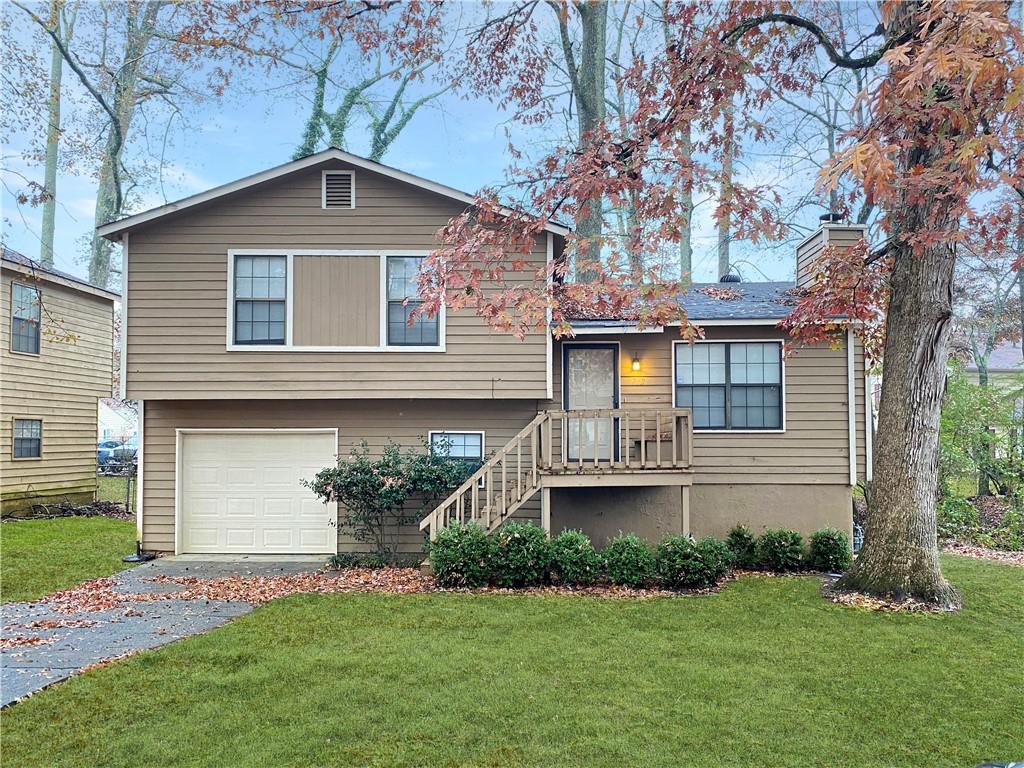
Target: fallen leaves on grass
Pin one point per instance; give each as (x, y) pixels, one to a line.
(983, 553)
(872, 603)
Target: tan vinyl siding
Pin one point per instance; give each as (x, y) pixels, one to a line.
(177, 297)
(377, 422)
(337, 301)
(61, 386)
(814, 449)
(806, 254)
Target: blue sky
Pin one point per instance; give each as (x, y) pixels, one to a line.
(457, 141)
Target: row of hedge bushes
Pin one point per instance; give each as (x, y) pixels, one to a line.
(521, 555)
(782, 550)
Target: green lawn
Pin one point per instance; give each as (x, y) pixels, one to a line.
(765, 673)
(41, 556)
(112, 488)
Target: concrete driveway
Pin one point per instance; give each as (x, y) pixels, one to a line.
(44, 643)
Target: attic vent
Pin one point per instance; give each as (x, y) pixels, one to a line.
(339, 189)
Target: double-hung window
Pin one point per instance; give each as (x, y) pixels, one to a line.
(28, 439)
(731, 385)
(403, 299)
(466, 447)
(26, 311)
(261, 295)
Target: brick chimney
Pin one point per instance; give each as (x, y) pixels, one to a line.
(832, 231)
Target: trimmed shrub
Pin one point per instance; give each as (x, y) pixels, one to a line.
(829, 550)
(682, 563)
(780, 550)
(743, 545)
(520, 553)
(629, 561)
(460, 555)
(573, 559)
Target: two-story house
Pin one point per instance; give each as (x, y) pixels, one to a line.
(266, 332)
(56, 362)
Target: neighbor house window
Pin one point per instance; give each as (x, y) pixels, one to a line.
(28, 438)
(261, 288)
(402, 285)
(467, 447)
(735, 385)
(26, 305)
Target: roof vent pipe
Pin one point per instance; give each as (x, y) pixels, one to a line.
(830, 218)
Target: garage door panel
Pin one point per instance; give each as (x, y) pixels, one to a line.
(242, 493)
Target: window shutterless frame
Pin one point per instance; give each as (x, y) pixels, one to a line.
(289, 345)
(26, 322)
(35, 439)
(462, 432)
(729, 386)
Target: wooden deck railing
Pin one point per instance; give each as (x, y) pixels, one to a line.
(566, 442)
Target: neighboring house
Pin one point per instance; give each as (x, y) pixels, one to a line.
(118, 421)
(57, 362)
(1005, 366)
(265, 332)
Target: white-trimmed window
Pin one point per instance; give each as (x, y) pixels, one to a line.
(28, 439)
(26, 316)
(467, 447)
(261, 297)
(731, 385)
(403, 299)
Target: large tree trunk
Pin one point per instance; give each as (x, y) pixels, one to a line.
(52, 151)
(900, 555)
(590, 104)
(686, 218)
(725, 194)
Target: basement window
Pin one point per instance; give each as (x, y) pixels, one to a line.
(339, 189)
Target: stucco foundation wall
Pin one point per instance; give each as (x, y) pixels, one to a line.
(714, 509)
(604, 513)
(651, 513)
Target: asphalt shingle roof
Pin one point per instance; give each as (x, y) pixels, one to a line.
(14, 257)
(720, 301)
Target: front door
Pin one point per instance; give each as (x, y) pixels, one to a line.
(590, 376)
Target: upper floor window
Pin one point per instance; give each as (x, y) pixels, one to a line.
(734, 385)
(261, 294)
(26, 306)
(402, 285)
(28, 438)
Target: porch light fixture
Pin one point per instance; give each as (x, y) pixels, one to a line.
(636, 362)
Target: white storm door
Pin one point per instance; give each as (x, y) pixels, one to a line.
(591, 374)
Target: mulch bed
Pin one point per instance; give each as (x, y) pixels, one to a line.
(983, 553)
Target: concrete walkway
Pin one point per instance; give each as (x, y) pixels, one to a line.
(96, 636)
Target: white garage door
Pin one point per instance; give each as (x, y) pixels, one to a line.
(241, 492)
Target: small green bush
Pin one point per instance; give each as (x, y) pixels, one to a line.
(780, 550)
(683, 564)
(1008, 535)
(573, 559)
(460, 556)
(520, 553)
(829, 551)
(743, 545)
(957, 518)
(629, 561)
(344, 560)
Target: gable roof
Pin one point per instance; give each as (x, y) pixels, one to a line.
(21, 263)
(717, 302)
(114, 229)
